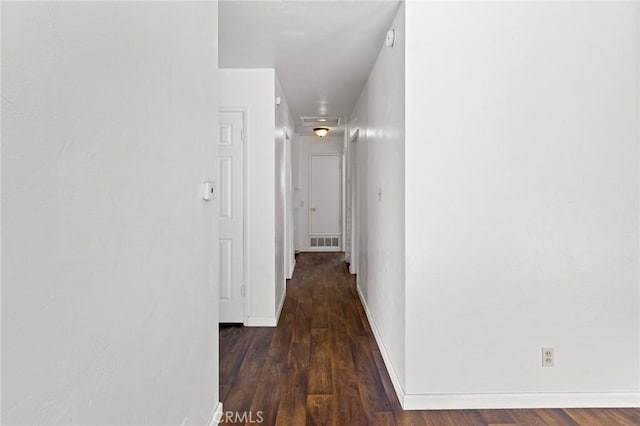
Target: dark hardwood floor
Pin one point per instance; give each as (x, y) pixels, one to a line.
(321, 366)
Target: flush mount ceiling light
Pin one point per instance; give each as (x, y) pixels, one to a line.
(321, 131)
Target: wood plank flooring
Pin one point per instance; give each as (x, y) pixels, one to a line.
(321, 366)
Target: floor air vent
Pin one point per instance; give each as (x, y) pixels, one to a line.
(325, 242)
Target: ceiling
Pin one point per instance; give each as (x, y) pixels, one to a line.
(322, 51)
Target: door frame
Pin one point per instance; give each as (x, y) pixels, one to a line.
(310, 197)
(354, 237)
(289, 212)
(245, 189)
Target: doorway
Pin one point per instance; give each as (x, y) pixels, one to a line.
(352, 201)
(231, 190)
(289, 243)
(325, 202)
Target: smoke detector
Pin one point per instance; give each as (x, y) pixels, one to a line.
(390, 40)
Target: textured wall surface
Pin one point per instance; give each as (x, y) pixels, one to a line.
(109, 304)
(522, 200)
(379, 177)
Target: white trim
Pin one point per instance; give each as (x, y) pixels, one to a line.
(343, 199)
(289, 209)
(262, 322)
(322, 249)
(638, 92)
(520, 400)
(284, 296)
(216, 416)
(267, 321)
(354, 240)
(292, 267)
(395, 380)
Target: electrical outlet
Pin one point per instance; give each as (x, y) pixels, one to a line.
(547, 357)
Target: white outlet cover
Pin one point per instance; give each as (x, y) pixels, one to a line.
(548, 357)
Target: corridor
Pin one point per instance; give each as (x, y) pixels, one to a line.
(321, 365)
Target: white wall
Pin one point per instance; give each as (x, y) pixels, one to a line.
(254, 89)
(377, 160)
(284, 251)
(308, 145)
(522, 203)
(109, 303)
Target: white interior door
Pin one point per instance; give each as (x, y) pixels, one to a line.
(325, 211)
(231, 215)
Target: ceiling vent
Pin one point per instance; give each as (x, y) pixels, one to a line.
(320, 121)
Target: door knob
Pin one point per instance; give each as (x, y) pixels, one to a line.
(313, 209)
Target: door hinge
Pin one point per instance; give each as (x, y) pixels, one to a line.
(242, 135)
(243, 291)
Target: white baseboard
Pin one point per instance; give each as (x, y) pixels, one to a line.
(519, 400)
(262, 322)
(267, 321)
(217, 415)
(395, 380)
(284, 296)
(292, 267)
